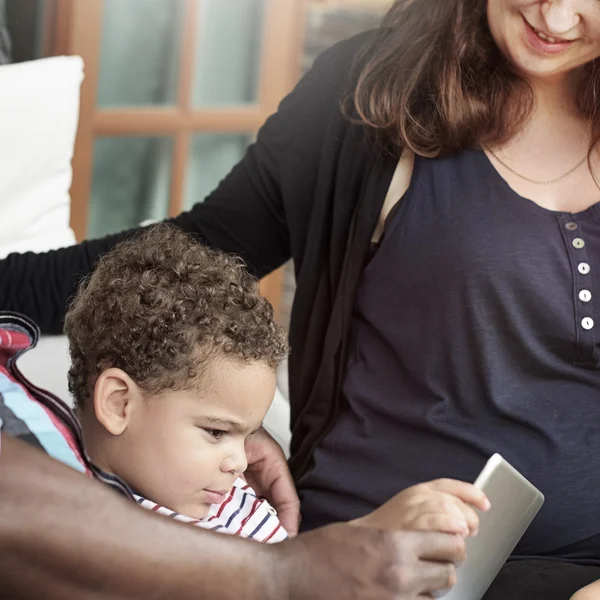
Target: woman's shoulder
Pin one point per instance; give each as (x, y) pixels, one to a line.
(316, 104)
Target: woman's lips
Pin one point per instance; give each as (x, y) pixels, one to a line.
(551, 46)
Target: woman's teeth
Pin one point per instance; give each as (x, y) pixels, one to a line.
(547, 38)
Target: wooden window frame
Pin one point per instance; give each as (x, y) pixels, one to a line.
(75, 27)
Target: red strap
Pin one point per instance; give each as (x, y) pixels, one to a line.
(12, 342)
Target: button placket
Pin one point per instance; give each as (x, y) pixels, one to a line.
(582, 274)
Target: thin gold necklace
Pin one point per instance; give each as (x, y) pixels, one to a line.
(550, 181)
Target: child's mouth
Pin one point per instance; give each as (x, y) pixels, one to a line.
(216, 497)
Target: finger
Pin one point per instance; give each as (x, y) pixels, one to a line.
(268, 470)
(289, 517)
(445, 504)
(466, 492)
(433, 577)
(285, 500)
(439, 547)
(471, 517)
(441, 523)
(457, 509)
(460, 510)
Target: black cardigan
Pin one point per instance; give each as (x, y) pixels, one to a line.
(311, 188)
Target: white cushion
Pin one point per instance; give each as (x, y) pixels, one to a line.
(47, 364)
(39, 111)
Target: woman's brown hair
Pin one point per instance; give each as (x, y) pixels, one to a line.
(436, 82)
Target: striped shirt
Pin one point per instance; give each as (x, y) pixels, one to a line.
(47, 423)
(242, 513)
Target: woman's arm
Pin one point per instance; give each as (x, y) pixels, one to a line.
(246, 215)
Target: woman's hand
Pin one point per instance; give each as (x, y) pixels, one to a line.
(444, 505)
(270, 477)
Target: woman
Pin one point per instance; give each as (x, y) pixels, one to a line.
(434, 183)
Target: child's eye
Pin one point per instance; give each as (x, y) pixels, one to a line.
(216, 433)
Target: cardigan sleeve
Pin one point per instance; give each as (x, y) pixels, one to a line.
(245, 215)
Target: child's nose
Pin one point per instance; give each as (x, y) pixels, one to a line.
(236, 462)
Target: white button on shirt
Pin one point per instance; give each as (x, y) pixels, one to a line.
(583, 268)
(587, 323)
(585, 295)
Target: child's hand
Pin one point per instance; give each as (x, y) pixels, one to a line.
(443, 505)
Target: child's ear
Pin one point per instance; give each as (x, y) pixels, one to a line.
(115, 397)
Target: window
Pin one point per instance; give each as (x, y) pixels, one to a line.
(174, 92)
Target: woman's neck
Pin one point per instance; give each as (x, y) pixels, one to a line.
(557, 98)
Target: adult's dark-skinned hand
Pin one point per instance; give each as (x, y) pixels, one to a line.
(346, 562)
(66, 537)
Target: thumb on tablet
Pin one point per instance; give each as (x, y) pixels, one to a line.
(466, 492)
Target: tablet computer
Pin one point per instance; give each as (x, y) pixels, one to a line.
(515, 502)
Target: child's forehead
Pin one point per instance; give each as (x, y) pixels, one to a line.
(241, 405)
(236, 378)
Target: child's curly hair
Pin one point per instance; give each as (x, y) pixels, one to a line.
(161, 306)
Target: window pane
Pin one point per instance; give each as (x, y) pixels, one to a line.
(212, 156)
(131, 183)
(228, 52)
(141, 41)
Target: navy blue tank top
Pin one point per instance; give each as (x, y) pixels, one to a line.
(476, 330)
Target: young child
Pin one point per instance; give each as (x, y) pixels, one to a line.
(173, 367)
(173, 355)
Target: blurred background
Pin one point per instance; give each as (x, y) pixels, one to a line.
(174, 92)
